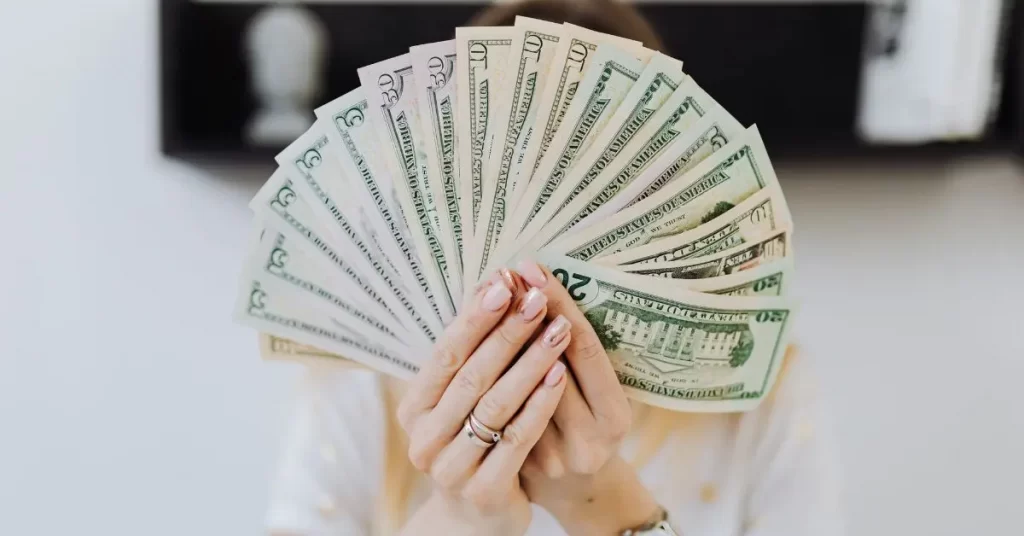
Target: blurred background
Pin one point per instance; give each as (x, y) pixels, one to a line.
(131, 404)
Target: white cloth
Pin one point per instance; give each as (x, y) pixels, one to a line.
(770, 472)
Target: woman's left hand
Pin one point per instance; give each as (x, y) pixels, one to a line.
(574, 471)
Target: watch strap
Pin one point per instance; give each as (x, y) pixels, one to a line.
(658, 526)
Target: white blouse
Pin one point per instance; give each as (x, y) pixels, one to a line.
(769, 472)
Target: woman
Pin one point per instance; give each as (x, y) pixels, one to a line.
(575, 457)
(370, 456)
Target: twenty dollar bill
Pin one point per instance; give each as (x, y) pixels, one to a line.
(679, 349)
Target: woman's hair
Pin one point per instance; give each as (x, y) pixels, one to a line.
(605, 16)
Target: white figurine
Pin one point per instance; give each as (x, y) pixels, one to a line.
(286, 46)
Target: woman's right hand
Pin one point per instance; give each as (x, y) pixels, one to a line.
(477, 488)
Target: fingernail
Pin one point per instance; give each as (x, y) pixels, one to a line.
(486, 283)
(532, 273)
(511, 281)
(555, 374)
(532, 305)
(557, 331)
(496, 297)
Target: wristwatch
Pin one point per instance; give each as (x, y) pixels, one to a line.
(658, 527)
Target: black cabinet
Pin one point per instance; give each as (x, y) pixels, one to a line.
(794, 69)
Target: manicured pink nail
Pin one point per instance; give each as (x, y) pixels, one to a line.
(557, 331)
(532, 273)
(532, 305)
(510, 279)
(555, 374)
(486, 283)
(496, 297)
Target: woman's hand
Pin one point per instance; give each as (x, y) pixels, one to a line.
(477, 488)
(575, 471)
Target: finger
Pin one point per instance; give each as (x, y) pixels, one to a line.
(506, 458)
(545, 458)
(456, 462)
(511, 279)
(580, 432)
(459, 341)
(481, 370)
(572, 412)
(501, 402)
(585, 354)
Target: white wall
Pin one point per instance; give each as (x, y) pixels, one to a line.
(130, 404)
(913, 296)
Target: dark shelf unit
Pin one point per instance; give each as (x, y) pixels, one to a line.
(794, 69)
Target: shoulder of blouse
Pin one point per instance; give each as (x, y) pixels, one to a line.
(331, 464)
(794, 480)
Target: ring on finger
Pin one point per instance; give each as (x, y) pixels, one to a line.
(479, 439)
(483, 429)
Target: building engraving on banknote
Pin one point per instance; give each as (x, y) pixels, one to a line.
(672, 353)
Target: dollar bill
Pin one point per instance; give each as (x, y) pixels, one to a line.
(714, 186)
(277, 206)
(684, 107)
(573, 57)
(279, 265)
(657, 82)
(533, 47)
(770, 247)
(433, 67)
(266, 311)
(388, 86)
(712, 132)
(771, 279)
(274, 348)
(679, 349)
(354, 144)
(612, 73)
(480, 56)
(756, 216)
(319, 181)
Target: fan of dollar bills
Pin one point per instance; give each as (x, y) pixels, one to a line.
(653, 206)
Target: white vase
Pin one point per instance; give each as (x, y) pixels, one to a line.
(286, 47)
